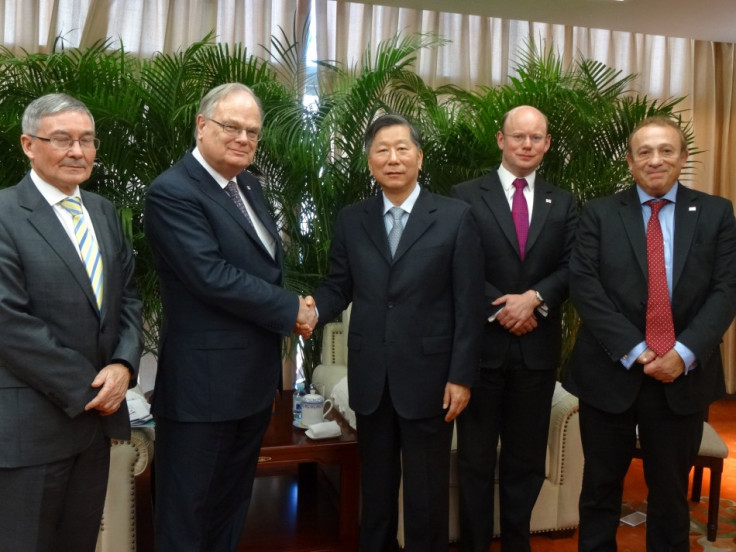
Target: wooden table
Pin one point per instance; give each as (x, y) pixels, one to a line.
(285, 444)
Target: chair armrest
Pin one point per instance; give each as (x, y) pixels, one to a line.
(565, 447)
(333, 344)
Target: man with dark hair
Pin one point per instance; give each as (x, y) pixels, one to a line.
(653, 276)
(527, 228)
(407, 260)
(70, 343)
(219, 258)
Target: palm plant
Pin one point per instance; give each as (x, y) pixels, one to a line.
(311, 157)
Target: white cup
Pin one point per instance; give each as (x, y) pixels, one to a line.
(313, 409)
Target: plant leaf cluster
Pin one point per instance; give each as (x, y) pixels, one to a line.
(311, 158)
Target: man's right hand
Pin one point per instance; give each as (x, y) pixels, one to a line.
(307, 318)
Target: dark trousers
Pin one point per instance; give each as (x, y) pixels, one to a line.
(55, 507)
(512, 403)
(204, 480)
(388, 442)
(669, 444)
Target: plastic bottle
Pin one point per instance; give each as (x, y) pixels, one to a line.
(297, 399)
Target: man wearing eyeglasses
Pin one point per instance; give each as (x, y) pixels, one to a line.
(219, 258)
(70, 342)
(527, 228)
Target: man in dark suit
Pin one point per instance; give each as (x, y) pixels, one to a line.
(219, 259)
(414, 334)
(71, 337)
(527, 228)
(655, 295)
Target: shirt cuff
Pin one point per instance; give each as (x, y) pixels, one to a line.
(687, 356)
(629, 359)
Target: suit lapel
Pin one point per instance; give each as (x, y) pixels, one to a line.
(540, 211)
(104, 241)
(495, 198)
(687, 213)
(375, 228)
(631, 217)
(43, 218)
(212, 189)
(254, 194)
(421, 218)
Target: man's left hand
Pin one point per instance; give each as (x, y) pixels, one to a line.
(112, 382)
(455, 400)
(666, 368)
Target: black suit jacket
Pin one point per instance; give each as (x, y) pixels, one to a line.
(224, 308)
(416, 319)
(544, 268)
(53, 339)
(609, 288)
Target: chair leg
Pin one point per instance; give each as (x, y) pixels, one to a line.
(697, 483)
(716, 469)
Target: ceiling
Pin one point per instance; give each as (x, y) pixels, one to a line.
(711, 20)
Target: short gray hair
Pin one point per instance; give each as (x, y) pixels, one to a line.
(51, 104)
(209, 100)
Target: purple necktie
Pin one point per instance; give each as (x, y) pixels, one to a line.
(520, 214)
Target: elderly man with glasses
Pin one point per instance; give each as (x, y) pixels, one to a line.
(219, 257)
(71, 336)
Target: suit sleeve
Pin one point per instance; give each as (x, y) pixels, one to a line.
(335, 292)
(467, 284)
(714, 314)
(181, 233)
(611, 328)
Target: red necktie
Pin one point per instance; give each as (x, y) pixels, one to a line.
(520, 214)
(660, 330)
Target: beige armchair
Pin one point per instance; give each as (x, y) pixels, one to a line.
(556, 510)
(127, 460)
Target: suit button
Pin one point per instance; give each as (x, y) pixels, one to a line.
(390, 305)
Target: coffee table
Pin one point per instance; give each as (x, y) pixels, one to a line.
(285, 444)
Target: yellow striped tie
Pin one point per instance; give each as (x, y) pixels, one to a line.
(87, 246)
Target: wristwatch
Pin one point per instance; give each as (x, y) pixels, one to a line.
(542, 308)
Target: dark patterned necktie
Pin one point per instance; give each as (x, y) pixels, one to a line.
(232, 190)
(660, 330)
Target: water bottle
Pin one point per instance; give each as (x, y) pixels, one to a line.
(297, 399)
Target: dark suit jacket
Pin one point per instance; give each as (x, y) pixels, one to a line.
(53, 340)
(416, 320)
(224, 307)
(609, 288)
(544, 268)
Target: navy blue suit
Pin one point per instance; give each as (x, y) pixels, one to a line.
(220, 359)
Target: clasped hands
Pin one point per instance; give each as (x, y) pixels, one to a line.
(666, 368)
(307, 318)
(517, 313)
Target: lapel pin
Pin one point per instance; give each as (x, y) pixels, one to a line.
(248, 187)
(693, 208)
(548, 200)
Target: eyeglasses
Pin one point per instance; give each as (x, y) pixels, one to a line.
(536, 139)
(233, 130)
(62, 142)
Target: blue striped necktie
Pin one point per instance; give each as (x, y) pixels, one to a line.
(87, 246)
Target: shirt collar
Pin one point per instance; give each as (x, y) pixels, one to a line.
(221, 180)
(507, 179)
(671, 195)
(51, 194)
(408, 203)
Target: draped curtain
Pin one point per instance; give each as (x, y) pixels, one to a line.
(483, 51)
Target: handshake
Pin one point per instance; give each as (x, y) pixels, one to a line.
(307, 318)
